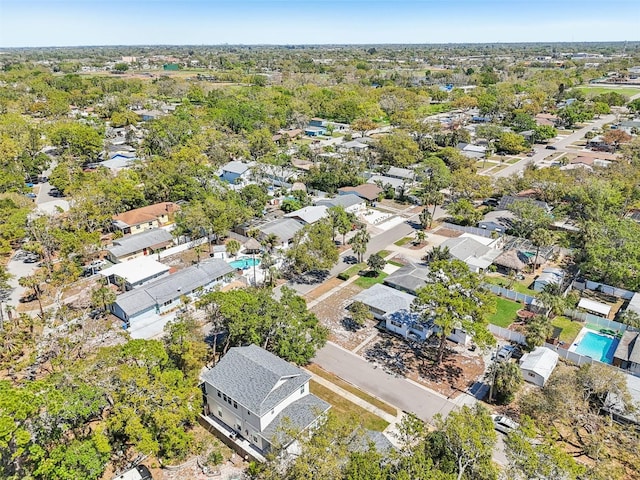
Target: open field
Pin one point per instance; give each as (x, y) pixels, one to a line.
(598, 90)
(385, 407)
(344, 408)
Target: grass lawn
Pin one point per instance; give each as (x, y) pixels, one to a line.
(383, 253)
(518, 286)
(321, 372)
(505, 312)
(570, 328)
(366, 282)
(434, 108)
(403, 241)
(344, 408)
(397, 264)
(593, 91)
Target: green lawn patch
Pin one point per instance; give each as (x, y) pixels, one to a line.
(403, 241)
(505, 312)
(353, 270)
(434, 108)
(517, 286)
(593, 90)
(384, 253)
(397, 264)
(346, 409)
(321, 372)
(366, 281)
(570, 328)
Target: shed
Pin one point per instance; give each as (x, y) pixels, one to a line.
(538, 365)
(595, 307)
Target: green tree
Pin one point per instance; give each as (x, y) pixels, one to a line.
(511, 143)
(463, 212)
(312, 249)
(454, 298)
(538, 329)
(185, 345)
(541, 238)
(233, 247)
(376, 263)
(506, 380)
(340, 221)
(102, 296)
(360, 313)
(76, 139)
(398, 149)
(469, 437)
(529, 217)
(359, 243)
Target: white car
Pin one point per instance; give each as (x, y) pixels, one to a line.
(505, 353)
(504, 424)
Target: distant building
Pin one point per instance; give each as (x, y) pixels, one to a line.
(351, 203)
(141, 244)
(368, 191)
(235, 172)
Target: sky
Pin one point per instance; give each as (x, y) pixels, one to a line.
(26, 23)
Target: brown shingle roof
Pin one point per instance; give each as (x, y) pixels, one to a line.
(146, 214)
(368, 191)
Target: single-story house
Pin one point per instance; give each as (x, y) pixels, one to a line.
(497, 221)
(321, 122)
(351, 203)
(592, 306)
(409, 324)
(354, 145)
(140, 244)
(472, 151)
(634, 304)
(309, 215)
(145, 218)
(368, 191)
(507, 200)
(148, 115)
(312, 131)
(538, 365)
(135, 273)
(408, 278)
(627, 354)
(235, 172)
(401, 173)
(546, 119)
(165, 294)
(259, 396)
(475, 254)
(283, 228)
(549, 276)
(382, 180)
(383, 300)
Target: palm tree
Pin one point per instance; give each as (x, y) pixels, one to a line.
(553, 300)
(34, 282)
(438, 253)
(233, 247)
(359, 243)
(421, 236)
(541, 237)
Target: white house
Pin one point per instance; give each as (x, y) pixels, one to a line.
(135, 273)
(256, 394)
(383, 300)
(538, 365)
(351, 203)
(409, 325)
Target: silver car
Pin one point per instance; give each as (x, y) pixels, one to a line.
(504, 424)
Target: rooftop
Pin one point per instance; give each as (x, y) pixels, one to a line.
(385, 299)
(129, 244)
(367, 191)
(344, 201)
(136, 270)
(309, 214)
(146, 214)
(629, 347)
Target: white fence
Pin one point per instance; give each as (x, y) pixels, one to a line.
(606, 289)
(573, 357)
(474, 230)
(182, 248)
(510, 294)
(507, 334)
(596, 320)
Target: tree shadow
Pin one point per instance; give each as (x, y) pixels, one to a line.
(349, 325)
(310, 278)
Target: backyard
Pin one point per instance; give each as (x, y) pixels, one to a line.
(520, 286)
(505, 312)
(570, 328)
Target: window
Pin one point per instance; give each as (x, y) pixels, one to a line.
(395, 323)
(302, 389)
(248, 413)
(224, 397)
(219, 412)
(219, 393)
(531, 374)
(235, 405)
(255, 439)
(168, 302)
(151, 224)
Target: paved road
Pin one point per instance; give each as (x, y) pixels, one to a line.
(561, 145)
(17, 268)
(395, 390)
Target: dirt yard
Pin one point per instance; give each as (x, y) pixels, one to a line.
(458, 371)
(322, 289)
(333, 314)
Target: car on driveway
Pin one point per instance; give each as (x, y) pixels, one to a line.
(551, 147)
(504, 424)
(505, 353)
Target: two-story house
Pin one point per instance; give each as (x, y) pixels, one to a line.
(258, 395)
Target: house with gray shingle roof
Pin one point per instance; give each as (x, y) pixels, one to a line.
(139, 244)
(261, 397)
(383, 300)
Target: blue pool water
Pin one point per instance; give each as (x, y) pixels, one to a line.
(245, 263)
(598, 347)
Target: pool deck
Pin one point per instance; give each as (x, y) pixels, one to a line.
(579, 338)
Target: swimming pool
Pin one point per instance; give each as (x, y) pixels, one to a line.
(599, 347)
(243, 263)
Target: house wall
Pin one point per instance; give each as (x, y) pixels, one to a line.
(230, 176)
(240, 419)
(144, 226)
(533, 377)
(460, 336)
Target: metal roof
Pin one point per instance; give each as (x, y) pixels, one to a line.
(136, 270)
(541, 361)
(139, 241)
(309, 214)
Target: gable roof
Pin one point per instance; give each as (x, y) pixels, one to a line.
(507, 200)
(628, 349)
(385, 180)
(156, 237)
(409, 278)
(146, 214)
(471, 251)
(401, 173)
(385, 299)
(255, 378)
(236, 167)
(344, 201)
(541, 361)
(309, 214)
(368, 191)
(172, 287)
(299, 416)
(283, 228)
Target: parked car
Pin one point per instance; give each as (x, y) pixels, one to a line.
(31, 195)
(31, 258)
(504, 424)
(550, 147)
(505, 353)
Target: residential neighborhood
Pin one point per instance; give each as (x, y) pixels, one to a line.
(320, 262)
